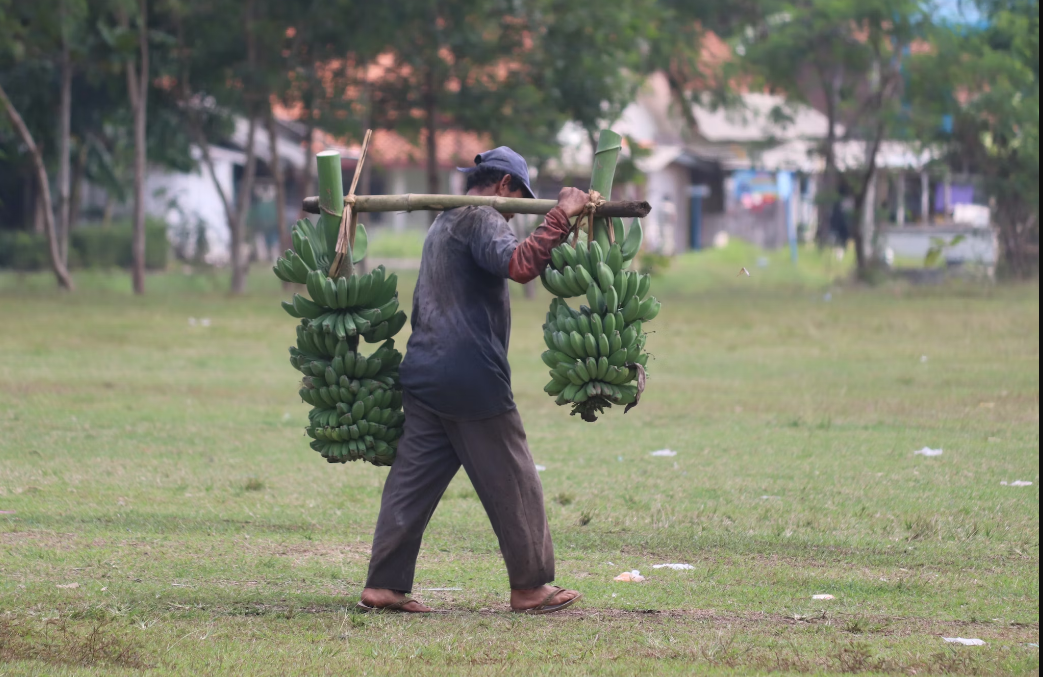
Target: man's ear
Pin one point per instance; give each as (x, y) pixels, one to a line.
(504, 187)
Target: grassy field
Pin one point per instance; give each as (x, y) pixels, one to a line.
(162, 511)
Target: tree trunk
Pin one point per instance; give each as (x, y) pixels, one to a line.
(64, 133)
(57, 264)
(285, 241)
(137, 87)
(830, 185)
(240, 262)
(431, 124)
(76, 194)
(872, 148)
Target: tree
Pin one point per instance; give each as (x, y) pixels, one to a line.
(845, 57)
(45, 32)
(987, 78)
(447, 65)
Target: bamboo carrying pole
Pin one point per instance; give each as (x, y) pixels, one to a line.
(417, 202)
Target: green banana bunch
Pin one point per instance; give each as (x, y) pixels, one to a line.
(356, 400)
(314, 252)
(595, 353)
(574, 268)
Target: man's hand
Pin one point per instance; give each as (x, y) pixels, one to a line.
(572, 201)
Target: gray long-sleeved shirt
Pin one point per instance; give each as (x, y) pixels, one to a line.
(456, 358)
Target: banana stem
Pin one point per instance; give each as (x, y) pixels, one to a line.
(331, 202)
(604, 171)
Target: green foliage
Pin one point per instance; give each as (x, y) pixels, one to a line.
(938, 247)
(89, 247)
(987, 79)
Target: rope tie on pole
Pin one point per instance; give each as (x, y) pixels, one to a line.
(349, 220)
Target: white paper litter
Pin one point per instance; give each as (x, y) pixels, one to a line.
(675, 567)
(663, 452)
(964, 641)
(823, 597)
(1033, 645)
(630, 577)
(923, 358)
(441, 589)
(1016, 483)
(68, 586)
(927, 451)
(540, 468)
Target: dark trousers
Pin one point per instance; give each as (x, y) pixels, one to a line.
(496, 457)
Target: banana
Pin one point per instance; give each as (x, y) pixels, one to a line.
(604, 349)
(609, 323)
(554, 387)
(643, 285)
(618, 358)
(365, 290)
(596, 327)
(615, 342)
(632, 244)
(580, 369)
(577, 344)
(288, 307)
(590, 346)
(602, 367)
(582, 257)
(631, 309)
(632, 281)
(571, 281)
(597, 255)
(601, 235)
(582, 324)
(342, 292)
(315, 290)
(619, 283)
(652, 311)
(617, 229)
(353, 291)
(361, 366)
(329, 290)
(278, 272)
(612, 300)
(646, 306)
(300, 268)
(388, 291)
(568, 253)
(387, 310)
(549, 359)
(570, 392)
(628, 337)
(605, 276)
(548, 339)
(306, 308)
(585, 279)
(564, 344)
(362, 325)
(592, 367)
(557, 259)
(614, 258)
(592, 298)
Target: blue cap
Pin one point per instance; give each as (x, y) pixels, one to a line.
(506, 160)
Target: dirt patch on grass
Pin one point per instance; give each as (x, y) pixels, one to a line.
(45, 539)
(57, 642)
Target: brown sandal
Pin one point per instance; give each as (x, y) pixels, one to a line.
(542, 607)
(398, 606)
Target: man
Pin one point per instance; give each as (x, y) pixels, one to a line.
(457, 394)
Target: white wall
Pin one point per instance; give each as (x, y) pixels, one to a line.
(185, 199)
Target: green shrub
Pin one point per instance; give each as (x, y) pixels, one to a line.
(89, 247)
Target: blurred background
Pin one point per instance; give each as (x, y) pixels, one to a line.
(893, 137)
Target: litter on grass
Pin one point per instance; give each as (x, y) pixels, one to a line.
(663, 452)
(540, 468)
(927, 451)
(964, 641)
(630, 577)
(823, 597)
(7, 512)
(675, 567)
(1016, 483)
(68, 586)
(441, 589)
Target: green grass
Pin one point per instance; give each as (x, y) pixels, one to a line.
(160, 466)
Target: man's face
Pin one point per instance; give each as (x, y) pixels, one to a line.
(503, 189)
